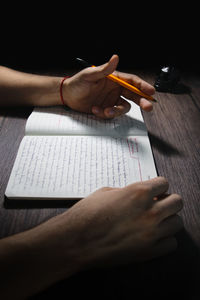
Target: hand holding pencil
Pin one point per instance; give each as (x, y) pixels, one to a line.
(98, 90)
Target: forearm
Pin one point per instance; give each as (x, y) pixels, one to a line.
(35, 259)
(18, 88)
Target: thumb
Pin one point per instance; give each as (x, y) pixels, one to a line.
(102, 71)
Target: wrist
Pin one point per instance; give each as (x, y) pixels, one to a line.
(62, 90)
(47, 91)
(58, 248)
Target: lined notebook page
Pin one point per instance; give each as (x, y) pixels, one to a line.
(59, 121)
(75, 166)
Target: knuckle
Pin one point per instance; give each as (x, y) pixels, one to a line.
(137, 188)
(163, 179)
(142, 191)
(154, 213)
(143, 188)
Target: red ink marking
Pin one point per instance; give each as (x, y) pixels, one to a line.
(131, 147)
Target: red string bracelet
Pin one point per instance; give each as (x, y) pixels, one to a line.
(61, 86)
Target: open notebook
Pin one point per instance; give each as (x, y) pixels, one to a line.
(67, 155)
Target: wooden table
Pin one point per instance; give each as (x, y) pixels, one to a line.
(174, 131)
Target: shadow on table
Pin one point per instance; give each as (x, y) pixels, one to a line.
(19, 204)
(163, 146)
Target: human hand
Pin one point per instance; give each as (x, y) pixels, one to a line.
(90, 91)
(122, 225)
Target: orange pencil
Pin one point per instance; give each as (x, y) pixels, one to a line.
(120, 82)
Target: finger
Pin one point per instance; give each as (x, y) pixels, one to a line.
(100, 72)
(112, 112)
(137, 82)
(121, 108)
(146, 191)
(162, 247)
(141, 85)
(168, 206)
(98, 112)
(158, 186)
(109, 112)
(145, 105)
(112, 97)
(104, 113)
(170, 226)
(142, 102)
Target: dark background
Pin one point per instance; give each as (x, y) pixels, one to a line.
(43, 38)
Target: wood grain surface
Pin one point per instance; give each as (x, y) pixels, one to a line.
(174, 132)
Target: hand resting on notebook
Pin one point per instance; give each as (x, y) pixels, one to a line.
(88, 91)
(112, 226)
